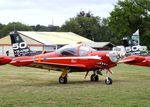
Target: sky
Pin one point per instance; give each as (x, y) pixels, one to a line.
(48, 12)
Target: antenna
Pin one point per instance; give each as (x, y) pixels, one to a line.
(52, 25)
(52, 21)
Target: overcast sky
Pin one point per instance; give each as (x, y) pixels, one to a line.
(44, 12)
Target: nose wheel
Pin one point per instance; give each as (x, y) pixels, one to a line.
(108, 81)
(94, 77)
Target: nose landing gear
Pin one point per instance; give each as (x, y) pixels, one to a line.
(108, 81)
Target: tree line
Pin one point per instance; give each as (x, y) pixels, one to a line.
(5, 29)
(127, 17)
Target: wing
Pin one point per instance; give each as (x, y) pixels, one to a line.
(132, 59)
(29, 62)
(21, 62)
(76, 62)
(4, 60)
(86, 62)
(126, 60)
(61, 64)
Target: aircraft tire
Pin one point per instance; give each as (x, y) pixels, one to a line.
(94, 77)
(108, 81)
(63, 80)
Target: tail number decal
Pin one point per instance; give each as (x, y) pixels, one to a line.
(21, 45)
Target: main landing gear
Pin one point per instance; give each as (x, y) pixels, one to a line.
(63, 77)
(94, 77)
(63, 80)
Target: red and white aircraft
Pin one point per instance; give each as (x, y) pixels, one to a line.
(70, 58)
(4, 60)
(137, 60)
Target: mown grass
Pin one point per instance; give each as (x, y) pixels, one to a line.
(31, 87)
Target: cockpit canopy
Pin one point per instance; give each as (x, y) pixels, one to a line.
(75, 50)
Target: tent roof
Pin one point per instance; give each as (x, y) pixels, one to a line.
(5, 40)
(50, 38)
(98, 44)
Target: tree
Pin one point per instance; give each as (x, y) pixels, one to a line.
(89, 26)
(1, 30)
(14, 26)
(45, 28)
(6, 29)
(128, 16)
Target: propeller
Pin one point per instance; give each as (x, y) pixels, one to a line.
(115, 56)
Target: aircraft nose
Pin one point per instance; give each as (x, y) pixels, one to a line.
(115, 56)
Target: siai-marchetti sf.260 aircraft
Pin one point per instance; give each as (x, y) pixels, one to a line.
(70, 58)
(136, 60)
(4, 60)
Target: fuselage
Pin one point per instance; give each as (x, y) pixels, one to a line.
(94, 60)
(74, 57)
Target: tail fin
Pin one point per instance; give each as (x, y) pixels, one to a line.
(20, 48)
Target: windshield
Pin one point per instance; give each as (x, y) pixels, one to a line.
(75, 50)
(84, 50)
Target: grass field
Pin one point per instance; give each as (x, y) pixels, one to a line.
(30, 87)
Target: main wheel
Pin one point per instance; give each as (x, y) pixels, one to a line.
(63, 80)
(108, 81)
(94, 77)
